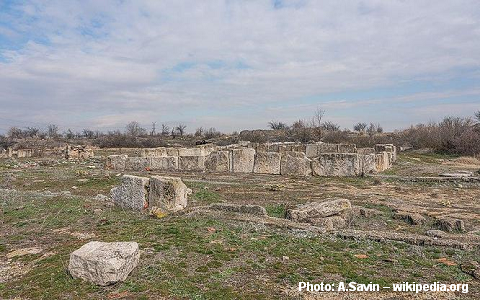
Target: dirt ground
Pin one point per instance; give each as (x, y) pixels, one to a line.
(50, 208)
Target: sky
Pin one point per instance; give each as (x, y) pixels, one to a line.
(235, 65)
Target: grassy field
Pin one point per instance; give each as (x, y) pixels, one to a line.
(200, 256)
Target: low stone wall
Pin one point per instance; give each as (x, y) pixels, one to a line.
(319, 159)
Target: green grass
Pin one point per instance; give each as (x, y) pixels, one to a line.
(276, 210)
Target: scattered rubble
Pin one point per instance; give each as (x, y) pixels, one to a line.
(410, 217)
(450, 224)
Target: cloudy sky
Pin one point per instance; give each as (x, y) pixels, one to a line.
(236, 64)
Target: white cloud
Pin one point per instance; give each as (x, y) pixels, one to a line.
(109, 62)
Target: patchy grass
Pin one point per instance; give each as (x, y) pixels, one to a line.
(276, 210)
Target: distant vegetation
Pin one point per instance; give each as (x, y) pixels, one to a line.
(452, 135)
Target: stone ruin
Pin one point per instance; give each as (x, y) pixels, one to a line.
(157, 194)
(72, 152)
(319, 159)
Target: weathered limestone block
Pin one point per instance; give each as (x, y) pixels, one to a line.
(116, 162)
(169, 194)
(136, 163)
(218, 161)
(267, 163)
(367, 162)
(336, 164)
(314, 150)
(132, 193)
(311, 150)
(190, 152)
(168, 163)
(104, 263)
(330, 223)
(315, 210)
(295, 163)
(449, 224)
(390, 148)
(366, 151)
(242, 209)
(346, 148)
(172, 151)
(207, 148)
(243, 160)
(382, 161)
(191, 163)
(154, 152)
(410, 217)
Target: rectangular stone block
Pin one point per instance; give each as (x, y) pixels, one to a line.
(243, 160)
(311, 150)
(368, 164)
(191, 163)
(172, 151)
(267, 163)
(136, 163)
(295, 163)
(132, 193)
(347, 148)
(218, 161)
(382, 162)
(366, 151)
(154, 152)
(169, 194)
(336, 164)
(190, 151)
(116, 162)
(167, 163)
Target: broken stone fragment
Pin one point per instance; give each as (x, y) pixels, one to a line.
(314, 210)
(104, 263)
(132, 193)
(410, 217)
(471, 268)
(330, 223)
(450, 224)
(168, 194)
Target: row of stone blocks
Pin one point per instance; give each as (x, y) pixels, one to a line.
(247, 160)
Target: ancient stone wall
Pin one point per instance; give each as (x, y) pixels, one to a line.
(320, 159)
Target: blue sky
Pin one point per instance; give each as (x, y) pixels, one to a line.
(236, 65)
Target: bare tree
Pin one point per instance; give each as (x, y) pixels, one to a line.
(317, 118)
(32, 132)
(15, 133)
(330, 126)
(165, 129)
(52, 131)
(87, 133)
(277, 125)
(199, 132)
(180, 129)
(360, 127)
(477, 115)
(212, 133)
(134, 129)
(69, 134)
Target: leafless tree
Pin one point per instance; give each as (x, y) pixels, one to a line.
(52, 131)
(360, 127)
(199, 132)
(134, 129)
(180, 129)
(317, 118)
(87, 133)
(165, 129)
(330, 126)
(477, 115)
(15, 133)
(277, 125)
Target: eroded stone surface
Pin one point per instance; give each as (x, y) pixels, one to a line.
(168, 193)
(267, 163)
(295, 163)
(315, 210)
(132, 193)
(243, 160)
(218, 161)
(104, 263)
(336, 164)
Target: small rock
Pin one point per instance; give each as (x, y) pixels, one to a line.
(104, 263)
(436, 233)
(410, 217)
(315, 210)
(285, 258)
(471, 268)
(24, 251)
(82, 180)
(450, 224)
(101, 197)
(74, 187)
(97, 211)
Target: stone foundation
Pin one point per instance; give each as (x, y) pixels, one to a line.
(320, 159)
